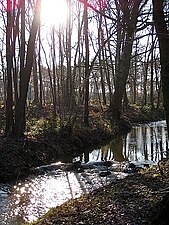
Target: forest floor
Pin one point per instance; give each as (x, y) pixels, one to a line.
(139, 199)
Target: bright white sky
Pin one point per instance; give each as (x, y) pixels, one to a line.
(53, 12)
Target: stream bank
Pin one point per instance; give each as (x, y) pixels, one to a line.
(19, 155)
(51, 185)
(139, 199)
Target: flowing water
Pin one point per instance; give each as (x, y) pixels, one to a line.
(26, 200)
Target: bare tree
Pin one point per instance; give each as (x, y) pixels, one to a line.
(86, 84)
(9, 99)
(25, 73)
(162, 31)
(130, 12)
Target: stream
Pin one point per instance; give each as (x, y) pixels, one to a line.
(25, 201)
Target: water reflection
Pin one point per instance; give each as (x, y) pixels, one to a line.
(28, 200)
(116, 147)
(144, 142)
(147, 142)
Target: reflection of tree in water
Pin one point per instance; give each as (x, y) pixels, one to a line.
(105, 151)
(116, 147)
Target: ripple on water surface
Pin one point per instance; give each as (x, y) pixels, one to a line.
(32, 198)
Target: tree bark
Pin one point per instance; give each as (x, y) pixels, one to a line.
(120, 83)
(162, 34)
(86, 83)
(20, 121)
(39, 68)
(9, 99)
(35, 81)
(54, 74)
(129, 26)
(69, 85)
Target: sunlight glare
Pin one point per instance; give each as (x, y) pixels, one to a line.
(53, 12)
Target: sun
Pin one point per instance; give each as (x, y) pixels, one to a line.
(53, 12)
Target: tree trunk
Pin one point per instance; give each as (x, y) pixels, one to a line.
(120, 83)
(69, 87)
(162, 33)
(54, 74)
(145, 72)
(152, 70)
(130, 14)
(101, 58)
(9, 99)
(39, 68)
(20, 121)
(35, 81)
(86, 83)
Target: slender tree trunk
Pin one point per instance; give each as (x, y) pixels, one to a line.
(101, 60)
(86, 84)
(109, 60)
(35, 81)
(152, 70)
(61, 94)
(15, 27)
(158, 83)
(54, 74)
(135, 75)
(107, 73)
(39, 68)
(68, 56)
(9, 99)
(3, 77)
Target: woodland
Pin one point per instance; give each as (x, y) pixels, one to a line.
(65, 87)
(108, 53)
